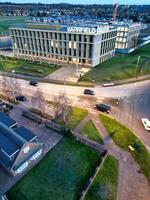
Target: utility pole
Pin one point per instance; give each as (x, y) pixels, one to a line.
(138, 68)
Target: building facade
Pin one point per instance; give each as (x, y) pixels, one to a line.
(75, 45)
(127, 37)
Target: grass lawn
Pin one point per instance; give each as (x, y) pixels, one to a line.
(28, 67)
(8, 21)
(105, 184)
(120, 67)
(60, 175)
(76, 116)
(123, 137)
(91, 132)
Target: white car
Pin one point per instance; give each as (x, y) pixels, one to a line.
(146, 123)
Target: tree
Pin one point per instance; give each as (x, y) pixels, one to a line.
(61, 107)
(38, 101)
(11, 87)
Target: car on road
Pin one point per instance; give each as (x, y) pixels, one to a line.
(21, 98)
(103, 108)
(89, 92)
(146, 123)
(33, 83)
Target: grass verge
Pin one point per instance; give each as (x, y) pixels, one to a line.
(91, 132)
(26, 67)
(123, 137)
(60, 175)
(120, 67)
(105, 184)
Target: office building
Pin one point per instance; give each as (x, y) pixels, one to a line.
(58, 44)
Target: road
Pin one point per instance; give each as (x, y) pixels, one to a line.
(133, 98)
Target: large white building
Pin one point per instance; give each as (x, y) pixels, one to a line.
(63, 44)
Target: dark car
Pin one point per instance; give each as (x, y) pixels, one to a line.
(33, 83)
(21, 98)
(103, 108)
(9, 106)
(90, 92)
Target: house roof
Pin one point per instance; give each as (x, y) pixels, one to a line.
(12, 141)
(25, 133)
(9, 122)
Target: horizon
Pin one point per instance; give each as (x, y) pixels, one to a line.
(78, 2)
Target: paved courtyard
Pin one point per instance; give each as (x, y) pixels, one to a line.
(68, 73)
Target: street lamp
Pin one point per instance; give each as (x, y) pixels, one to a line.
(77, 66)
(137, 65)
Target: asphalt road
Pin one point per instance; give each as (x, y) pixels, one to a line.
(133, 98)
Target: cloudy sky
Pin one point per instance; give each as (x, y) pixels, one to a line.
(82, 1)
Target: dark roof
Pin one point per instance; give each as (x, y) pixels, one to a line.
(25, 133)
(10, 141)
(6, 120)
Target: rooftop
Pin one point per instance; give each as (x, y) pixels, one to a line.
(9, 122)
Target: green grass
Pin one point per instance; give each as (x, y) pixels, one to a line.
(105, 184)
(91, 132)
(8, 21)
(120, 67)
(60, 175)
(27, 67)
(76, 116)
(123, 137)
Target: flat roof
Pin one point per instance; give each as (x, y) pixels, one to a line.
(9, 122)
(70, 29)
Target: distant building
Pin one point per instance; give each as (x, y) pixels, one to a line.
(19, 147)
(83, 45)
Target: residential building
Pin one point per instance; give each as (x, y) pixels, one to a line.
(19, 147)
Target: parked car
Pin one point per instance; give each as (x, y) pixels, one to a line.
(21, 98)
(33, 83)
(103, 108)
(88, 91)
(146, 123)
(9, 106)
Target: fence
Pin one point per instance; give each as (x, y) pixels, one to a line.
(91, 180)
(58, 128)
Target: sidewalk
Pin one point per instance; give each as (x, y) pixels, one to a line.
(132, 185)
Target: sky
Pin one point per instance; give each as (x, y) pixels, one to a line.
(81, 1)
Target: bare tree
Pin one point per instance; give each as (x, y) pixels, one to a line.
(38, 101)
(10, 87)
(62, 107)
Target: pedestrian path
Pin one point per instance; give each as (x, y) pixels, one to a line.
(132, 184)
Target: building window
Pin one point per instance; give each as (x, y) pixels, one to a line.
(22, 167)
(36, 155)
(26, 149)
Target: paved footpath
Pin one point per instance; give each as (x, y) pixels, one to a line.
(132, 183)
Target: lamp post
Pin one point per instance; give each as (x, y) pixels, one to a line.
(77, 66)
(13, 89)
(137, 65)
